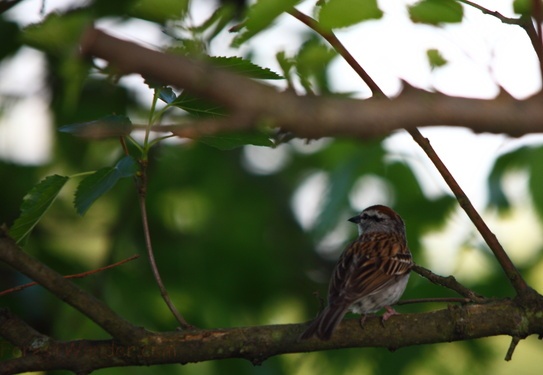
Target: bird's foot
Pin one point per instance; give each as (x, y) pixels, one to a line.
(389, 312)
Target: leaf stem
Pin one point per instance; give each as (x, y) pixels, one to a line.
(142, 190)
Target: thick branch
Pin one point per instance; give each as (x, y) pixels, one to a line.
(315, 117)
(256, 344)
(68, 292)
(20, 334)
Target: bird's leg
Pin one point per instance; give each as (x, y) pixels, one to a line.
(362, 320)
(389, 312)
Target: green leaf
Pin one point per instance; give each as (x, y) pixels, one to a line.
(523, 7)
(167, 95)
(312, 63)
(435, 58)
(337, 197)
(506, 162)
(160, 10)
(10, 38)
(342, 13)
(220, 19)
(244, 67)
(35, 204)
(234, 140)
(285, 63)
(204, 108)
(536, 179)
(94, 186)
(198, 107)
(106, 127)
(435, 12)
(58, 34)
(261, 15)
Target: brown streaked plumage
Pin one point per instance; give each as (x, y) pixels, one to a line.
(371, 274)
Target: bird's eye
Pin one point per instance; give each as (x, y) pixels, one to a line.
(364, 216)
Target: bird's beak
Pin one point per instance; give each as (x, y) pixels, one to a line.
(355, 219)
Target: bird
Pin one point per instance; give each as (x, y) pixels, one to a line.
(371, 273)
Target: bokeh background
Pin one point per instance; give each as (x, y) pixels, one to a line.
(248, 236)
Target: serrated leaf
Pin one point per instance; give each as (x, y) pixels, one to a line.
(435, 12)
(198, 107)
(435, 58)
(244, 67)
(234, 140)
(342, 13)
(261, 15)
(58, 34)
(106, 127)
(97, 184)
(35, 205)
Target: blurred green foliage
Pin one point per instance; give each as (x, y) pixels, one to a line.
(227, 239)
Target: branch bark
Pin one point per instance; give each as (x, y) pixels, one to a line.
(68, 292)
(504, 317)
(313, 117)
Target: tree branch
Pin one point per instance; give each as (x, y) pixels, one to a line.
(20, 334)
(450, 283)
(314, 117)
(256, 344)
(68, 292)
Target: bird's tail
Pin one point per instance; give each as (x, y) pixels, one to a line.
(325, 323)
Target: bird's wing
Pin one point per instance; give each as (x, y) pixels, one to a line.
(369, 264)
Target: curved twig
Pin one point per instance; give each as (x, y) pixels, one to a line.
(75, 276)
(68, 292)
(450, 283)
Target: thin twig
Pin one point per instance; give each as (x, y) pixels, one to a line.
(75, 276)
(534, 33)
(69, 292)
(514, 342)
(507, 265)
(433, 300)
(512, 273)
(450, 283)
(340, 48)
(510, 21)
(142, 190)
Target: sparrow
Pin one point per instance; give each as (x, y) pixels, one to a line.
(371, 273)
